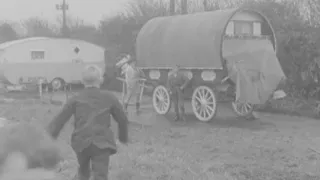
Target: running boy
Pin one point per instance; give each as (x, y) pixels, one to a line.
(92, 140)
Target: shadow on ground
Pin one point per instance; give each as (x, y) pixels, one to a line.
(221, 122)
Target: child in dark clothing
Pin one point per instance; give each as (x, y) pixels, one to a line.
(92, 140)
(176, 83)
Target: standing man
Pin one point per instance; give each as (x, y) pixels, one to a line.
(177, 82)
(132, 77)
(92, 139)
(121, 65)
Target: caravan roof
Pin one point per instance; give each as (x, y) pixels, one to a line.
(11, 43)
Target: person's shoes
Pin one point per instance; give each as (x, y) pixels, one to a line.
(251, 117)
(75, 177)
(125, 108)
(125, 111)
(183, 118)
(177, 118)
(138, 108)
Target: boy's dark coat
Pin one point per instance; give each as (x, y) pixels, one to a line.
(92, 109)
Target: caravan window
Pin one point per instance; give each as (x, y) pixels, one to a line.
(243, 27)
(37, 55)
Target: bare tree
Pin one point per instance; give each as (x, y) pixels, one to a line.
(39, 27)
(7, 33)
(79, 30)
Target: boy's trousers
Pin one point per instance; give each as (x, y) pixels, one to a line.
(133, 91)
(99, 159)
(178, 101)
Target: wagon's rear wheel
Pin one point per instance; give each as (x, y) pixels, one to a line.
(204, 103)
(242, 109)
(161, 100)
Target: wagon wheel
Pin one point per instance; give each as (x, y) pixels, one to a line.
(161, 100)
(242, 109)
(204, 103)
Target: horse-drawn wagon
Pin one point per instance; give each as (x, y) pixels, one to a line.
(222, 51)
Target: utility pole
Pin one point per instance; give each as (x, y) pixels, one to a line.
(205, 5)
(63, 7)
(184, 6)
(172, 7)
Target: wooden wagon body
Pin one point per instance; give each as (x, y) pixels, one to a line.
(196, 42)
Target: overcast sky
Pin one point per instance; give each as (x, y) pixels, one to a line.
(90, 11)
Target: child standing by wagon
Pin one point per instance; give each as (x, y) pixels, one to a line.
(92, 140)
(177, 82)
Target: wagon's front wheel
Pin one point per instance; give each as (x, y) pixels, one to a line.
(242, 109)
(204, 103)
(161, 100)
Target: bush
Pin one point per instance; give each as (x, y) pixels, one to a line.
(32, 141)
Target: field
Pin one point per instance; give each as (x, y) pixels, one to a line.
(274, 147)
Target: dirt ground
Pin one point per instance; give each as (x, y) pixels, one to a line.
(274, 147)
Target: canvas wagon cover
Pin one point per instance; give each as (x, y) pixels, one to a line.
(192, 40)
(255, 68)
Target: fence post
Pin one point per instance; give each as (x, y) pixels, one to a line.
(142, 86)
(66, 91)
(40, 82)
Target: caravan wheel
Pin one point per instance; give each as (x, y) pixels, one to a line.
(161, 100)
(204, 103)
(57, 83)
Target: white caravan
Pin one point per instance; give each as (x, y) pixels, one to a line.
(56, 61)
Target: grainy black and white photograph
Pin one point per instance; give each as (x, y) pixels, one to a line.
(159, 89)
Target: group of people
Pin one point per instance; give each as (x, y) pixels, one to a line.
(92, 140)
(132, 78)
(176, 84)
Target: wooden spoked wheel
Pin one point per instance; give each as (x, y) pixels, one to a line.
(204, 103)
(242, 109)
(161, 100)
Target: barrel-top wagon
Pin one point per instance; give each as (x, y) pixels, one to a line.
(231, 50)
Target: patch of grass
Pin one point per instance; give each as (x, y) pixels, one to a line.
(201, 152)
(292, 106)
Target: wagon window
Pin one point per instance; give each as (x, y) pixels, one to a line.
(37, 55)
(243, 27)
